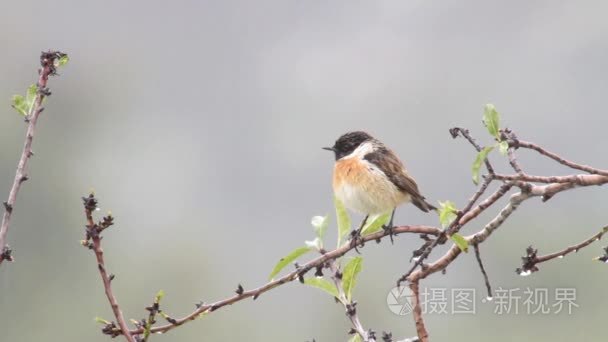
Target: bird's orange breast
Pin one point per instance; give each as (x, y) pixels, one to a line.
(363, 187)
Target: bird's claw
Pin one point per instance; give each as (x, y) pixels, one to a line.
(389, 228)
(356, 240)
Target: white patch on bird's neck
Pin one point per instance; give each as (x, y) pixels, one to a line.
(361, 151)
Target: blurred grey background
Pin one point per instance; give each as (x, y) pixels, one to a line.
(199, 125)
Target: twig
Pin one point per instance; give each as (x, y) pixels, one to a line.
(570, 164)
(47, 61)
(294, 275)
(531, 259)
(152, 311)
(581, 179)
(465, 133)
(93, 231)
(483, 270)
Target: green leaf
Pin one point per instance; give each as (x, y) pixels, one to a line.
(481, 157)
(375, 223)
(63, 60)
(159, 296)
(491, 119)
(320, 224)
(349, 276)
(447, 213)
(323, 284)
(503, 147)
(19, 104)
(356, 338)
(343, 220)
(461, 242)
(296, 253)
(101, 320)
(24, 105)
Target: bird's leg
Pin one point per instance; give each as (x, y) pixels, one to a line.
(389, 227)
(355, 235)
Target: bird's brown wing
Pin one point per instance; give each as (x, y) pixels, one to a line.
(392, 167)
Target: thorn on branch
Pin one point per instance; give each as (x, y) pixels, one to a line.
(90, 202)
(387, 336)
(199, 304)
(44, 91)
(6, 254)
(529, 262)
(8, 207)
(47, 61)
(111, 329)
(239, 290)
(351, 308)
(319, 271)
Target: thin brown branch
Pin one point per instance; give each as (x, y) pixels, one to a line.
(421, 331)
(483, 270)
(568, 163)
(531, 260)
(203, 309)
(465, 133)
(581, 179)
(152, 311)
(47, 61)
(93, 233)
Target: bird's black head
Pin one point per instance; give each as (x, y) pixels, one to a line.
(348, 142)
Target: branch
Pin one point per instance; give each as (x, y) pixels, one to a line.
(423, 335)
(529, 186)
(531, 259)
(544, 152)
(544, 191)
(93, 231)
(465, 133)
(48, 63)
(203, 309)
(483, 270)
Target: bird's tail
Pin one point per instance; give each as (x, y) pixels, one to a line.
(423, 205)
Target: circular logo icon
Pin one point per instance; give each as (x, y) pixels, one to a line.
(399, 300)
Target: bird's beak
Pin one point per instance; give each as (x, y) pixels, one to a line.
(328, 148)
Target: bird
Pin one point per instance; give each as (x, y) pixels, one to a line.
(370, 179)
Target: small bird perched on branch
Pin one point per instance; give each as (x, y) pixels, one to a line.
(370, 179)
